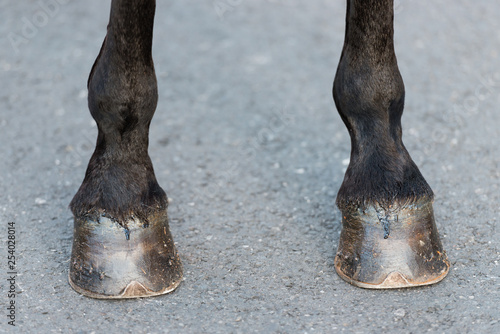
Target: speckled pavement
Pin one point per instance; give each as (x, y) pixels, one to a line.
(248, 145)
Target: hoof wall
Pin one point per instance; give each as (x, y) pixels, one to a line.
(389, 249)
(110, 261)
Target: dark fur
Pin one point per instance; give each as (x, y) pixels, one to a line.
(120, 180)
(369, 94)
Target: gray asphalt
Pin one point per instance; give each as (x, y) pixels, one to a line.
(251, 151)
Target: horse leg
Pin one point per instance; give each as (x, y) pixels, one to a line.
(389, 238)
(122, 245)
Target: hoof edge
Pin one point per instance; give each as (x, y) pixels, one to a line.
(395, 280)
(133, 290)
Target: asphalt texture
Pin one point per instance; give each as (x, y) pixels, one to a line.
(248, 145)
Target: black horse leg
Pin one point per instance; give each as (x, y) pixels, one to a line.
(389, 238)
(122, 246)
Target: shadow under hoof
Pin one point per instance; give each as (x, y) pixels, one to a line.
(395, 247)
(110, 261)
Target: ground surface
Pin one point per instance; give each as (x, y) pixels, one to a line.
(249, 147)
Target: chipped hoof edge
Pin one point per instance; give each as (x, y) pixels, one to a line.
(133, 290)
(133, 260)
(394, 280)
(392, 248)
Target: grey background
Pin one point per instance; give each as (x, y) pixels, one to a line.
(249, 147)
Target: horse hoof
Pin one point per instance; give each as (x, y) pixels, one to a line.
(110, 261)
(395, 247)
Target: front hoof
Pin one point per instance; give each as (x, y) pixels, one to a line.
(396, 247)
(110, 261)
